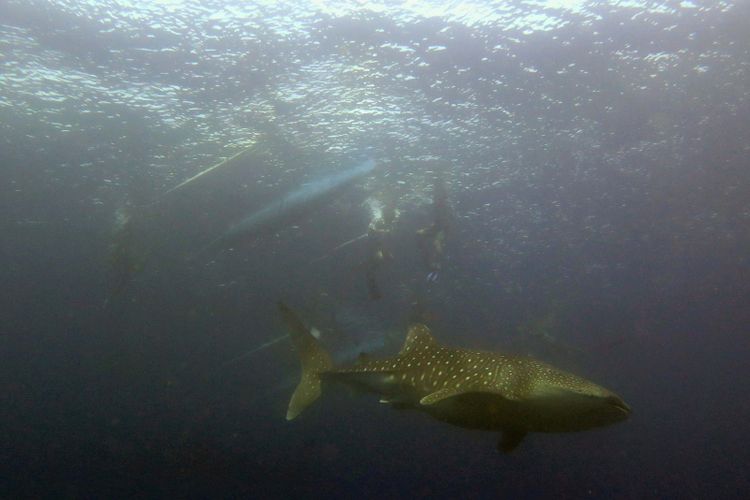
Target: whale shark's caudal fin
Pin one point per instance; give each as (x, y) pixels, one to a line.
(314, 360)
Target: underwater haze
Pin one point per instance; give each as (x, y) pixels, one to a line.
(567, 180)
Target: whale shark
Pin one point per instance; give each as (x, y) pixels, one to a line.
(473, 389)
(290, 206)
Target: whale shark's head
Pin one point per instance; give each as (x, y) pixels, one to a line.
(572, 403)
(595, 410)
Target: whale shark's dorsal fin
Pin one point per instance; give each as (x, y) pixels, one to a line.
(419, 336)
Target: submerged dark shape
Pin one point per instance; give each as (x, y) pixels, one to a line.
(291, 206)
(344, 330)
(384, 216)
(471, 389)
(432, 239)
(126, 257)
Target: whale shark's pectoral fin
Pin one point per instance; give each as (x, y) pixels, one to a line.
(510, 439)
(440, 395)
(450, 392)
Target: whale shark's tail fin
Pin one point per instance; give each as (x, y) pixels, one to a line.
(314, 360)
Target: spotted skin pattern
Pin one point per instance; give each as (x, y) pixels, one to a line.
(469, 388)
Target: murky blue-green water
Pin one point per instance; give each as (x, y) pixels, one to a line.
(587, 161)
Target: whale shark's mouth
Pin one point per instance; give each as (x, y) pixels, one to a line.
(619, 404)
